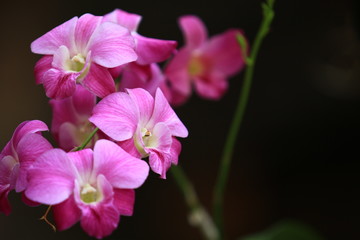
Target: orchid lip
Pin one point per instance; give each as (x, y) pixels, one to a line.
(89, 194)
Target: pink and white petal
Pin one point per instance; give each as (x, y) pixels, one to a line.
(63, 111)
(27, 127)
(51, 178)
(4, 202)
(101, 219)
(161, 138)
(159, 163)
(164, 113)
(129, 147)
(99, 81)
(66, 214)
(7, 165)
(28, 201)
(194, 31)
(83, 161)
(120, 168)
(42, 66)
(58, 84)
(112, 45)
(212, 86)
(151, 50)
(30, 147)
(175, 151)
(61, 58)
(52, 40)
(144, 103)
(178, 74)
(130, 21)
(225, 52)
(84, 101)
(124, 200)
(85, 27)
(116, 115)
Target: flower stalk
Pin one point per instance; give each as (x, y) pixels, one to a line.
(268, 15)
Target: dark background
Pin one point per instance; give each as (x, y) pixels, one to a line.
(297, 155)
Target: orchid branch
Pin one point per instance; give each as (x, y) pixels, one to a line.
(198, 216)
(268, 15)
(86, 142)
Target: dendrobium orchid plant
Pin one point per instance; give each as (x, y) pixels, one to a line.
(111, 102)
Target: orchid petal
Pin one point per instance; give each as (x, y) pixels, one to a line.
(116, 116)
(225, 52)
(120, 168)
(27, 127)
(50, 41)
(130, 21)
(112, 45)
(212, 86)
(42, 66)
(59, 84)
(124, 201)
(164, 113)
(151, 50)
(4, 202)
(129, 147)
(99, 81)
(194, 31)
(30, 147)
(83, 161)
(83, 100)
(51, 178)
(85, 27)
(144, 103)
(100, 220)
(66, 214)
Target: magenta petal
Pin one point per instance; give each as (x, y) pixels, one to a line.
(51, 178)
(4, 202)
(151, 50)
(66, 214)
(120, 169)
(29, 149)
(212, 86)
(194, 31)
(129, 147)
(100, 220)
(85, 27)
(178, 74)
(164, 113)
(27, 127)
(124, 200)
(128, 20)
(99, 81)
(83, 161)
(112, 45)
(161, 138)
(175, 151)
(28, 201)
(84, 101)
(225, 52)
(42, 66)
(159, 163)
(144, 103)
(117, 116)
(51, 41)
(59, 84)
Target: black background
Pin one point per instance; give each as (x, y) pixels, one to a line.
(297, 154)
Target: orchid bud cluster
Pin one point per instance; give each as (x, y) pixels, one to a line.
(104, 80)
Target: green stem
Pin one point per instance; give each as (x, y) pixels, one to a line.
(225, 163)
(198, 216)
(86, 142)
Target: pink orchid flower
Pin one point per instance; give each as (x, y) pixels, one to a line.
(70, 125)
(19, 153)
(148, 77)
(82, 50)
(207, 63)
(93, 187)
(149, 50)
(145, 126)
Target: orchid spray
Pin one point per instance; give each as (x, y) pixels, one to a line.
(112, 93)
